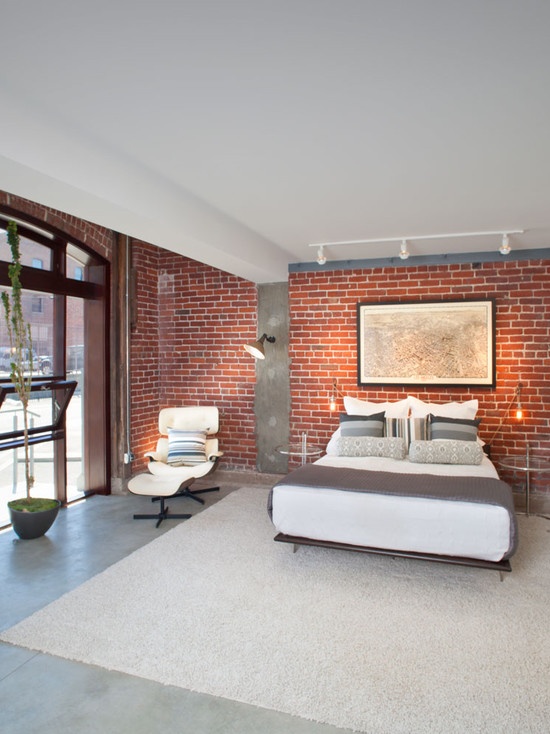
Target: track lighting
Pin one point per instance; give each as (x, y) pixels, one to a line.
(321, 257)
(505, 248)
(404, 253)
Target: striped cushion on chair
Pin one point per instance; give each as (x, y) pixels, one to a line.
(186, 447)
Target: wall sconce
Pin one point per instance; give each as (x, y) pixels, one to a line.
(519, 409)
(256, 349)
(518, 414)
(334, 393)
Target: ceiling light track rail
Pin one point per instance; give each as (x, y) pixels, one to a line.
(404, 253)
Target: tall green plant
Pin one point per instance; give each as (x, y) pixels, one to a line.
(19, 334)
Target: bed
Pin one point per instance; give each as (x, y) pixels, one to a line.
(398, 504)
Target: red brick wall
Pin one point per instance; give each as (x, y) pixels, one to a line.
(99, 239)
(145, 381)
(323, 343)
(182, 305)
(187, 349)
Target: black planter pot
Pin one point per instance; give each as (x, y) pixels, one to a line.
(30, 525)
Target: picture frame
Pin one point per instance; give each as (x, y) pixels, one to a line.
(444, 343)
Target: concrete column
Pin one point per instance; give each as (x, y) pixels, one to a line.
(272, 393)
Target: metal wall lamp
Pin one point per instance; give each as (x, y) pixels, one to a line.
(334, 394)
(256, 349)
(516, 398)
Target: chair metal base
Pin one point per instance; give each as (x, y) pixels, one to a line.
(186, 492)
(163, 514)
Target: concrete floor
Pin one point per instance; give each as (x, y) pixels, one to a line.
(42, 693)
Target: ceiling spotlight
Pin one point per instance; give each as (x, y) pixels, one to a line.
(321, 257)
(404, 253)
(505, 248)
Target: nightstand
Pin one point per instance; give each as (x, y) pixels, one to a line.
(528, 464)
(300, 448)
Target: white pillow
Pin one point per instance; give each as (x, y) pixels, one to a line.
(399, 409)
(332, 445)
(420, 409)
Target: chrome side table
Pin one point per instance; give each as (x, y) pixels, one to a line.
(301, 448)
(528, 464)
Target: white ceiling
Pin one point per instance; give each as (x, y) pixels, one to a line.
(237, 132)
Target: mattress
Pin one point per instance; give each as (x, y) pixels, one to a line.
(412, 524)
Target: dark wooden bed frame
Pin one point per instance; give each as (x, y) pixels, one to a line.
(502, 566)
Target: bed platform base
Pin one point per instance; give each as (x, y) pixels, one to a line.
(502, 566)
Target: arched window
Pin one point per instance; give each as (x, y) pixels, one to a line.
(65, 299)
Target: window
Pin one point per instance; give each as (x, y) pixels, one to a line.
(64, 298)
(36, 304)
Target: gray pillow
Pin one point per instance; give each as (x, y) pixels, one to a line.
(390, 448)
(445, 452)
(362, 425)
(457, 429)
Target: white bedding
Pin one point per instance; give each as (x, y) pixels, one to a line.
(441, 527)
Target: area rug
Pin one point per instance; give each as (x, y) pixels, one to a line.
(368, 643)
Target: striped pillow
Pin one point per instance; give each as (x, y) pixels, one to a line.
(362, 425)
(397, 428)
(409, 429)
(186, 448)
(457, 429)
(418, 429)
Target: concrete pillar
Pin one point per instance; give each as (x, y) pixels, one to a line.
(272, 393)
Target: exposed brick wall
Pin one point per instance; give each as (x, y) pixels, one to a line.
(188, 351)
(99, 239)
(144, 352)
(182, 305)
(323, 343)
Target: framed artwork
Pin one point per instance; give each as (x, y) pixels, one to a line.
(446, 343)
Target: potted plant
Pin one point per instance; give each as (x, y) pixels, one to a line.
(31, 516)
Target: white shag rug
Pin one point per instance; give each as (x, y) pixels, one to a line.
(369, 643)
